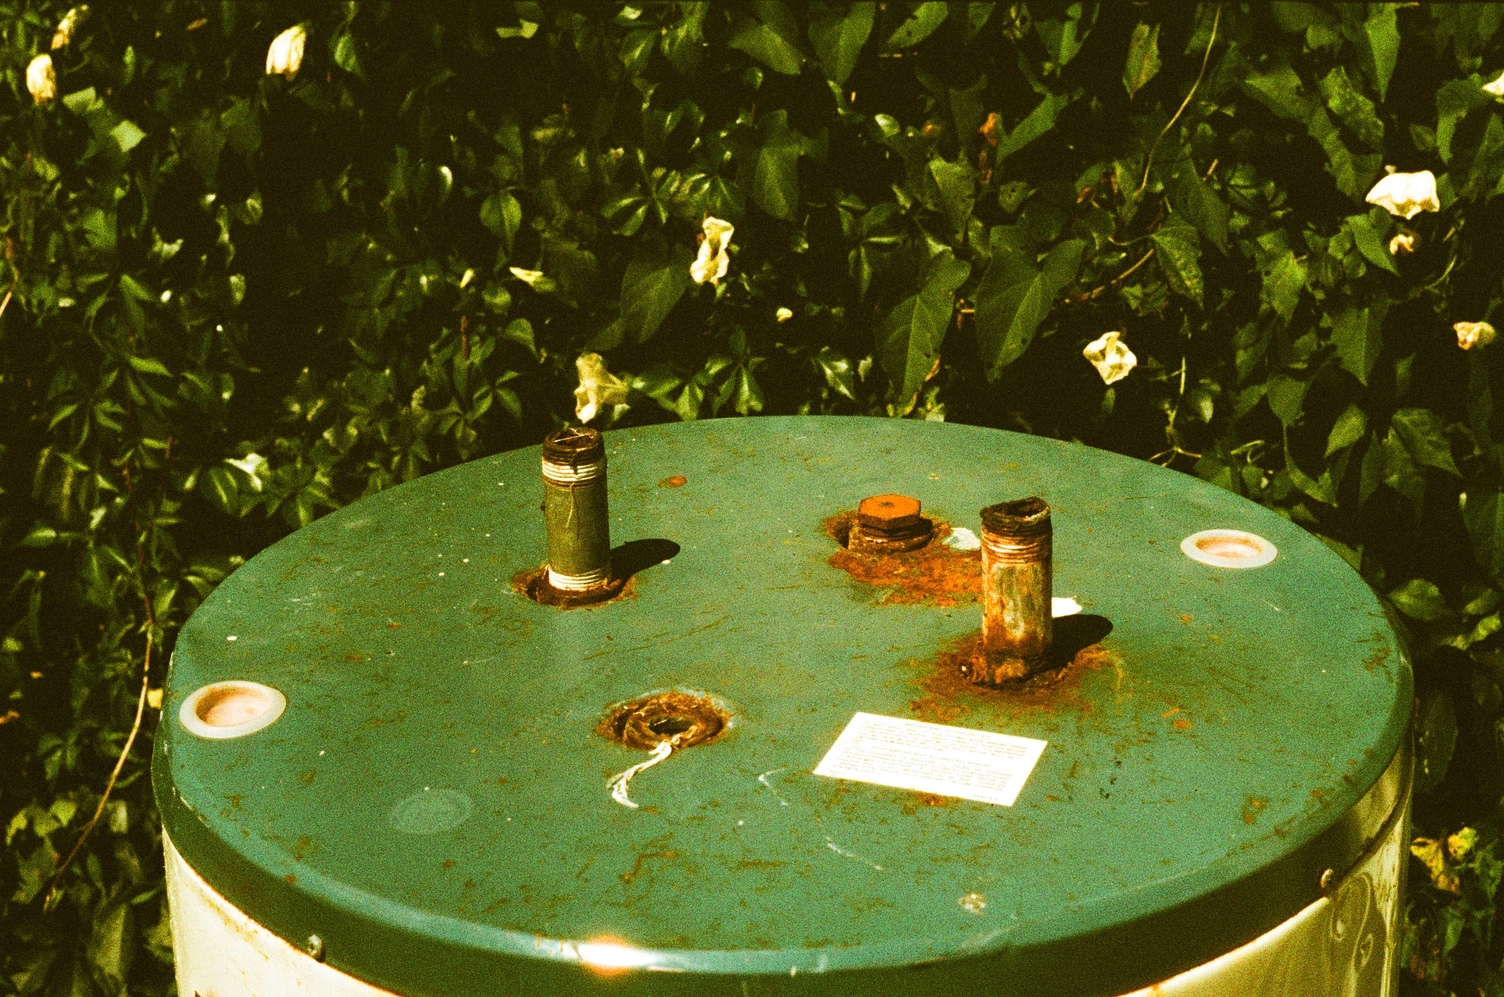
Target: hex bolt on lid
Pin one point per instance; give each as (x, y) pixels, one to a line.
(442, 799)
(232, 708)
(889, 524)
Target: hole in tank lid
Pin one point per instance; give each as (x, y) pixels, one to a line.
(232, 708)
(1229, 549)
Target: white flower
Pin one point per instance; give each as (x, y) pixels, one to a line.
(1403, 244)
(1406, 194)
(598, 387)
(712, 262)
(41, 80)
(1111, 356)
(1471, 334)
(285, 55)
(784, 314)
(1496, 88)
(68, 25)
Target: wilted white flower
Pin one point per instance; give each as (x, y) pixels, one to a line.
(598, 387)
(712, 262)
(284, 57)
(68, 25)
(1406, 194)
(41, 80)
(1403, 244)
(1471, 334)
(1111, 356)
(784, 314)
(1496, 88)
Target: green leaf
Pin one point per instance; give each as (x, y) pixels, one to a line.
(1397, 470)
(1347, 430)
(149, 365)
(1287, 398)
(838, 40)
(1419, 600)
(838, 371)
(1192, 197)
(1014, 297)
(502, 214)
(1063, 39)
(650, 288)
(1358, 337)
(1179, 257)
(919, 25)
(1143, 58)
(1436, 740)
(1352, 174)
(127, 135)
(1420, 429)
(1381, 53)
(775, 168)
(40, 536)
(1483, 515)
(1352, 108)
(773, 40)
(1369, 233)
(218, 486)
(958, 183)
(1283, 283)
(1038, 123)
(1281, 91)
(346, 56)
(908, 342)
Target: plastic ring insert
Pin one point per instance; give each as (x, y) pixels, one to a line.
(1229, 549)
(233, 708)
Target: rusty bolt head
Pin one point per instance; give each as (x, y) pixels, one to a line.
(888, 512)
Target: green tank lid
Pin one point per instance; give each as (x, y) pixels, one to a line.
(433, 802)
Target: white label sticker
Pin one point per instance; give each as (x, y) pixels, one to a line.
(932, 758)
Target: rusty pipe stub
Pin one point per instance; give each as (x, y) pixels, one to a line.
(887, 524)
(1017, 542)
(575, 511)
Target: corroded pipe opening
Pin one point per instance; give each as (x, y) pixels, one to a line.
(1017, 543)
(575, 513)
(679, 718)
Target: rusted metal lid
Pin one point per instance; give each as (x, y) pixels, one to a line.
(441, 801)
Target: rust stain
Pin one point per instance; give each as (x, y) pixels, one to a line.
(933, 574)
(1377, 659)
(291, 879)
(1251, 808)
(532, 584)
(1170, 712)
(448, 863)
(951, 695)
(917, 800)
(1182, 725)
(637, 870)
(1185, 619)
(674, 481)
(303, 847)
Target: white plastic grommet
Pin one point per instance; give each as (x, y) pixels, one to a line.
(233, 708)
(1228, 549)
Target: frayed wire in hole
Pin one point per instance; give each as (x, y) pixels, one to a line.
(618, 783)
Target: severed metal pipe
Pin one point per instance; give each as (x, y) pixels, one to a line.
(575, 513)
(1017, 623)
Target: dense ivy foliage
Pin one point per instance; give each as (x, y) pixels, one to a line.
(233, 301)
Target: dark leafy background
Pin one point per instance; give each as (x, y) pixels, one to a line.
(233, 302)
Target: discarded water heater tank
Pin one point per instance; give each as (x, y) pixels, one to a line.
(770, 760)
